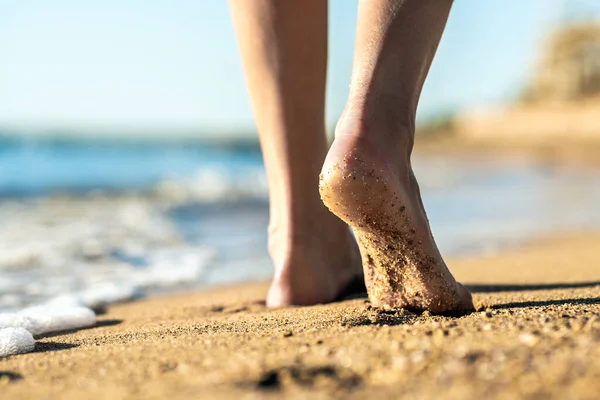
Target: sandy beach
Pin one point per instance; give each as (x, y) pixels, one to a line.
(536, 334)
(154, 169)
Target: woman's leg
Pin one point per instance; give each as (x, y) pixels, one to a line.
(367, 177)
(284, 49)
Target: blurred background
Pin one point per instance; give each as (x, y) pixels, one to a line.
(129, 162)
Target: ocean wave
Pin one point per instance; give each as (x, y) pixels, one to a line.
(93, 250)
(206, 172)
(213, 185)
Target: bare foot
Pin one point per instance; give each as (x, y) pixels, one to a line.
(372, 188)
(318, 266)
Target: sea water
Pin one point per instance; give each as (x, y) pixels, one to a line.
(90, 223)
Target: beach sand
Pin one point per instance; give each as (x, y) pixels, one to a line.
(536, 334)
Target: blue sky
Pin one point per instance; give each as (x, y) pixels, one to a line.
(173, 65)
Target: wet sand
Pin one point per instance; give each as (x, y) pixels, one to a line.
(536, 334)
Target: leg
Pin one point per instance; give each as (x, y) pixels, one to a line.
(367, 178)
(284, 48)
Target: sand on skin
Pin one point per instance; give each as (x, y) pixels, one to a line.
(530, 338)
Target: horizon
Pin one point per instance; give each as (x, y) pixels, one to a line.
(147, 70)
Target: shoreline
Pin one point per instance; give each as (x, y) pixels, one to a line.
(536, 334)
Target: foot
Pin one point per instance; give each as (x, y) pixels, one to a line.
(317, 265)
(370, 185)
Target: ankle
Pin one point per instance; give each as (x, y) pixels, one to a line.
(302, 233)
(386, 127)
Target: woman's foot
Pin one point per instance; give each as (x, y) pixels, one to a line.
(314, 265)
(368, 182)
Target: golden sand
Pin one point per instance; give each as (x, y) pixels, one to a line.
(536, 334)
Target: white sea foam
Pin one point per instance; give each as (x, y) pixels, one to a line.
(15, 341)
(212, 185)
(40, 320)
(98, 296)
(170, 267)
(93, 251)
